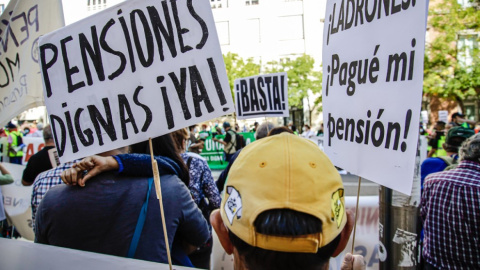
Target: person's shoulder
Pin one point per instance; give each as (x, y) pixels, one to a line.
(433, 161)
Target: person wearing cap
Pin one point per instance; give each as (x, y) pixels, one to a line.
(454, 139)
(229, 142)
(15, 152)
(40, 161)
(450, 209)
(459, 120)
(284, 208)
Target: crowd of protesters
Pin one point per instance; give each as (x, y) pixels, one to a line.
(106, 203)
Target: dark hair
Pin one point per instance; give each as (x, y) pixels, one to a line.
(178, 137)
(164, 146)
(453, 144)
(284, 222)
(278, 130)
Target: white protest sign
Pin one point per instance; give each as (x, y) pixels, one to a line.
(16, 200)
(372, 87)
(136, 70)
(20, 81)
(262, 95)
(443, 116)
(424, 116)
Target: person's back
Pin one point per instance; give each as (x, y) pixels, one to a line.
(102, 216)
(450, 208)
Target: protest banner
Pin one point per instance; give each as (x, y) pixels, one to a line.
(372, 87)
(137, 70)
(16, 200)
(32, 146)
(213, 151)
(262, 95)
(23, 22)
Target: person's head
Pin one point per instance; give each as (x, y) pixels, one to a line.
(40, 126)
(440, 125)
(455, 137)
(48, 135)
(166, 147)
(193, 129)
(457, 116)
(180, 137)
(278, 130)
(470, 149)
(306, 127)
(263, 129)
(11, 126)
(284, 206)
(226, 126)
(204, 127)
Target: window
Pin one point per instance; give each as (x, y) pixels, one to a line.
(466, 44)
(219, 3)
(96, 4)
(251, 2)
(291, 27)
(2, 8)
(223, 32)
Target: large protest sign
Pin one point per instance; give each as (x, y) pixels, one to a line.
(136, 70)
(262, 95)
(372, 87)
(20, 81)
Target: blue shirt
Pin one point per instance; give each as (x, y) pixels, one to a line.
(102, 216)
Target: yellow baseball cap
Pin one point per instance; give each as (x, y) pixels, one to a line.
(284, 171)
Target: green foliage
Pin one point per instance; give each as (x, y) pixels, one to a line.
(444, 76)
(237, 67)
(301, 78)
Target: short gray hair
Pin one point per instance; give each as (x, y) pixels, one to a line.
(470, 149)
(263, 129)
(47, 133)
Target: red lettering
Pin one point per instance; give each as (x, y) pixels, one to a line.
(29, 153)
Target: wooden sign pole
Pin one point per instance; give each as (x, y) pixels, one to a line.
(158, 189)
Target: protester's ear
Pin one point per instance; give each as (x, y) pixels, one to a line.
(221, 230)
(345, 234)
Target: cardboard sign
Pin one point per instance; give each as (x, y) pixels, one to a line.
(443, 116)
(263, 95)
(372, 87)
(136, 70)
(20, 81)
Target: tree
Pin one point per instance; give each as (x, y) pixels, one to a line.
(444, 75)
(237, 68)
(302, 78)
